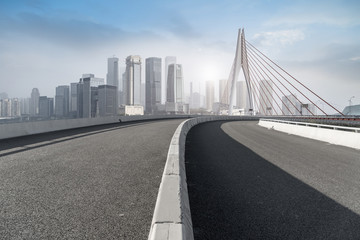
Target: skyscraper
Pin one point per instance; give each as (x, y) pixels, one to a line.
(25, 106)
(209, 95)
(175, 84)
(86, 97)
(46, 106)
(6, 107)
(224, 92)
(266, 97)
(168, 60)
(242, 96)
(62, 101)
(133, 80)
(73, 99)
(15, 107)
(107, 100)
(112, 76)
(152, 84)
(34, 102)
(87, 93)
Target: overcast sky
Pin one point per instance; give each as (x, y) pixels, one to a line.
(44, 44)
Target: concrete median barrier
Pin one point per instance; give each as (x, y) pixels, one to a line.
(172, 215)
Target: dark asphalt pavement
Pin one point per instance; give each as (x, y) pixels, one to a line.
(91, 183)
(247, 182)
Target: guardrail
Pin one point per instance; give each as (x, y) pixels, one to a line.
(172, 216)
(11, 130)
(334, 134)
(334, 127)
(347, 121)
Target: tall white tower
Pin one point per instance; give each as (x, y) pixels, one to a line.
(112, 76)
(133, 80)
(168, 60)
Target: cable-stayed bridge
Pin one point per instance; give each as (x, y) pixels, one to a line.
(203, 177)
(271, 90)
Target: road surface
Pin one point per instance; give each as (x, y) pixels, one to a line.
(248, 182)
(91, 183)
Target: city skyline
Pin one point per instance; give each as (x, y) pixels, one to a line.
(53, 43)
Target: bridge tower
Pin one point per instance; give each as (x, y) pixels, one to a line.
(240, 62)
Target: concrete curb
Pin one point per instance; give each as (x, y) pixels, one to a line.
(172, 216)
(338, 135)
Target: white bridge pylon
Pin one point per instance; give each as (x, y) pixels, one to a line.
(240, 62)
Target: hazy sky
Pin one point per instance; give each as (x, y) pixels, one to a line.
(48, 43)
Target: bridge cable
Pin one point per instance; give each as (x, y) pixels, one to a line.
(298, 82)
(259, 81)
(279, 82)
(258, 78)
(257, 65)
(258, 94)
(252, 52)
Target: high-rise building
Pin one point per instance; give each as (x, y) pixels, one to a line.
(6, 107)
(34, 102)
(196, 98)
(133, 80)
(209, 95)
(242, 96)
(73, 99)
(290, 105)
(308, 109)
(46, 106)
(175, 84)
(265, 97)
(224, 92)
(112, 76)
(152, 84)
(62, 101)
(124, 89)
(87, 93)
(175, 96)
(15, 107)
(168, 60)
(25, 106)
(107, 100)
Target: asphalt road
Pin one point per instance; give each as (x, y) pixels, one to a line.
(247, 182)
(92, 183)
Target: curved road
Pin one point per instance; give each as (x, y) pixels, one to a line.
(248, 182)
(92, 183)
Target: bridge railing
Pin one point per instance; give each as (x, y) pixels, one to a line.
(11, 130)
(333, 134)
(307, 124)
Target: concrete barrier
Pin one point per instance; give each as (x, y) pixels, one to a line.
(172, 216)
(28, 128)
(338, 135)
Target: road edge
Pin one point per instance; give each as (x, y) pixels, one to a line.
(172, 215)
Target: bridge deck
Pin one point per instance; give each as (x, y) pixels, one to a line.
(92, 183)
(247, 182)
